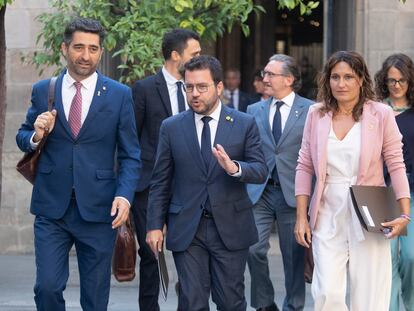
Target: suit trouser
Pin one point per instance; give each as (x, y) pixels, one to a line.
(402, 250)
(94, 244)
(270, 207)
(208, 265)
(148, 270)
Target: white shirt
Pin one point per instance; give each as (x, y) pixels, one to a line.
(284, 109)
(227, 94)
(199, 124)
(172, 91)
(215, 115)
(68, 92)
(87, 91)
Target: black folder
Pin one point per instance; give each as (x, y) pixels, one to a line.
(374, 205)
(163, 273)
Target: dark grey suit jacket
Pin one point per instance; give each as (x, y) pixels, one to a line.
(152, 105)
(181, 182)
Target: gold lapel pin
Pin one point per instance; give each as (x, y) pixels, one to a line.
(99, 93)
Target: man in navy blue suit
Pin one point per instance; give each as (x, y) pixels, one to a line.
(156, 98)
(205, 157)
(78, 197)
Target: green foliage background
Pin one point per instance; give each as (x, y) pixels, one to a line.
(135, 27)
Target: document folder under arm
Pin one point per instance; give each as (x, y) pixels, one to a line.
(375, 205)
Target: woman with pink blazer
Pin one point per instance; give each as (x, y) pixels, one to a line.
(347, 137)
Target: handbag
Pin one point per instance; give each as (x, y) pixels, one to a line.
(125, 253)
(309, 264)
(27, 166)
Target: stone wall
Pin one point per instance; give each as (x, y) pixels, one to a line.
(384, 27)
(16, 223)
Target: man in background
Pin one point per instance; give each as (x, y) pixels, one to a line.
(234, 97)
(156, 98)
(281, 119)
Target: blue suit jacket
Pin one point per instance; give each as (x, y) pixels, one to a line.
(87, 163)
(285, 153)
(181, 182)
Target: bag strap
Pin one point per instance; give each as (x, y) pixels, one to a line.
(50, 100)
(51, 93)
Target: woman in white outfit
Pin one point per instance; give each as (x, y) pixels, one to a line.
(347, 137)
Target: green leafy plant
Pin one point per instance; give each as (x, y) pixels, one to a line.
(135, 27)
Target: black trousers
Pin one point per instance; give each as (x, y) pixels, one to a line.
(148, 270)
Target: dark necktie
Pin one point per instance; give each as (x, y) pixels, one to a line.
(75, 112)
(277, 122)
(206, 141)
(231, 102)
(180, 96)
(277, 132)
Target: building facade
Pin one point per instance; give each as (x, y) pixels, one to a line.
(375, 28)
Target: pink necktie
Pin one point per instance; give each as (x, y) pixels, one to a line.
(75, 112)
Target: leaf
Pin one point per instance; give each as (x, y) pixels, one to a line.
(302, 9)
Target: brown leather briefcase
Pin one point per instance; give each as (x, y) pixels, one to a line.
(125, 253)
(27, 166)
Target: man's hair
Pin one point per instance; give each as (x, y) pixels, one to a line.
(208, 62)
(176, 40)
(290, 67)
(83, 25)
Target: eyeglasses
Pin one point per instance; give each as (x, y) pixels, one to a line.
(270, 74)
(201, 88)
(393, 82)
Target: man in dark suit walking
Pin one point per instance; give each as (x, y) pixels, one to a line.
(280, 119)
(78, 197)
(234, 97)
(199, 191)
(156, 98)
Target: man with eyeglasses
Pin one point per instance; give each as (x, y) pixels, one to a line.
(156, 98)
(204, 158)
(281, 119)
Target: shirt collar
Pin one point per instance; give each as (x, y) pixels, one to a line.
(215, 115)
(288, 100)
(87, 83)
(169, 78)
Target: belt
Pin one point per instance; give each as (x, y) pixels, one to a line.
(273, 183)
(206, 214)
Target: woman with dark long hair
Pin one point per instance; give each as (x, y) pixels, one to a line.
(394, 85)
(346, 139)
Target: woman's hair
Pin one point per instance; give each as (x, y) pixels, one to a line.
(406, 66)
(358, 66)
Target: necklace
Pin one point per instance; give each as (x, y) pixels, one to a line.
(345, 112)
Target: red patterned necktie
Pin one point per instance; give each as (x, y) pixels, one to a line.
(75, 112)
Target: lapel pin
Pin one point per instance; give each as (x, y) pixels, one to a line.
(230, 119)
(104, 88)
(296, 113)
(99, 93)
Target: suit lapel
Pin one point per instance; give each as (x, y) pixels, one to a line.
(264, 118)
(59, 105)
(224, 128)
(322, 142)
(162, 88)
(294, 115)
(96, 104)
(190, 134)
(369, 126)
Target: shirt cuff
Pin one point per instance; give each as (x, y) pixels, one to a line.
(239, 172)
(33, 145)
(124, 199)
